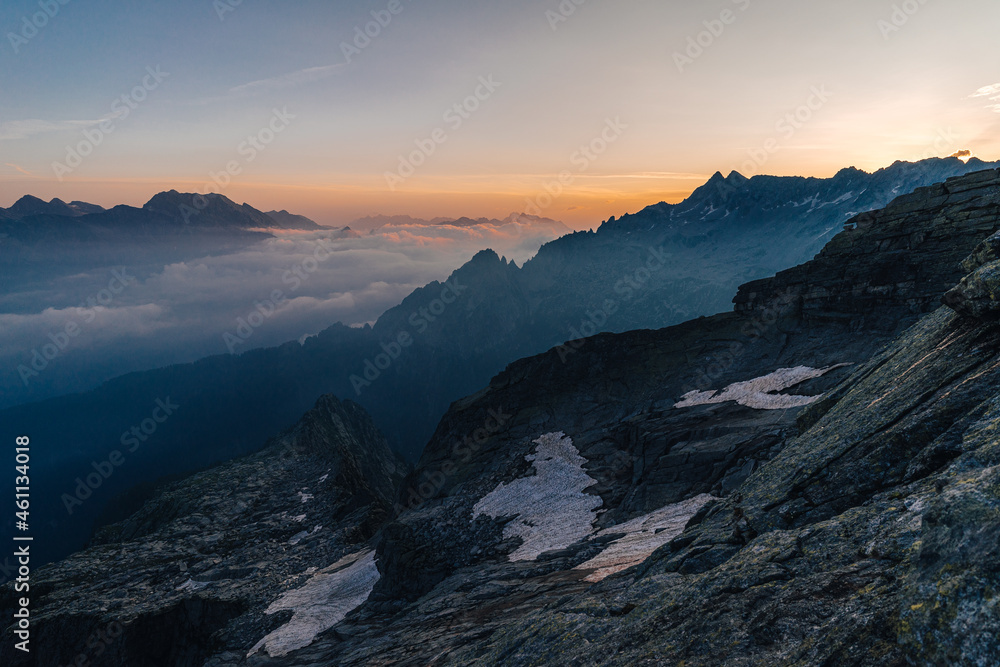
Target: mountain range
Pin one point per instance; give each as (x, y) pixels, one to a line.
(171, 227)
(377, 222)
(810, 478)
(664, 265)
(164, 214)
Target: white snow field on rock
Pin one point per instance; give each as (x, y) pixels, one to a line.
(643, 536)
(325, 600)
(551, 510)
(761, 393)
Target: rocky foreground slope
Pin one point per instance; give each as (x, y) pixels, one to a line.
(196, 569)
(809, 480)
(664, 265)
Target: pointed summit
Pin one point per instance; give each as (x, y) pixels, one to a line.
(28, 206)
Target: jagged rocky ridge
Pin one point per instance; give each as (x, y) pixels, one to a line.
(661, 266)
(169, 228)
(858, 529)
(185, 576)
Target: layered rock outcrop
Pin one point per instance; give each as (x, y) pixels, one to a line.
(907, 253)
(194, 573)
(809, 480)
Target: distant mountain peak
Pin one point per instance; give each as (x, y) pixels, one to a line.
(832, 200)
(29, 205)
(485, 256)
(211, 210)
(374, 222)
(286, 220)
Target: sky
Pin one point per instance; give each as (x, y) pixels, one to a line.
(574, 109)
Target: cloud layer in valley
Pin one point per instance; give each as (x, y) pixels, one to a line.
(181, 311)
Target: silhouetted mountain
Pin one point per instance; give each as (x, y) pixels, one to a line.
(286, 220)
(28, 206)
(32, 221)
(371, 223)
(513, 218)
(83, 208)
(168, 209)
(662, 266)
(205, 211)
(168, 229)
(811, 479)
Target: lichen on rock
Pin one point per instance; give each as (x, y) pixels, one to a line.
(978, 295)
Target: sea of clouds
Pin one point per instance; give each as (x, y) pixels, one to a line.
(182, 310)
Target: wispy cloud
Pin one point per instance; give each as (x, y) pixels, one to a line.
(307, 75)
(22, 129)
(993, 93)
(297, 78)
(19, 168)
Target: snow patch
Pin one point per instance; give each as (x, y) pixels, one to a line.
(760, 393)
(306, 497)
(192, 585)
(298, 537)
(550, 509)
(643, 536)
(325, 600)
(842, 198)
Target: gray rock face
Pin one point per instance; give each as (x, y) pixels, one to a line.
(908, 252)
(617, 397)
(845, 429)
(978, 295)
(192, 574)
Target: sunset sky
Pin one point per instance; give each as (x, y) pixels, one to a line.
(884, 85)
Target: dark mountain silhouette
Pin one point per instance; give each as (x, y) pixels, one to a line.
(28, 206)
(286, 220)
(373, 222)
(812, 478)
(662, 266)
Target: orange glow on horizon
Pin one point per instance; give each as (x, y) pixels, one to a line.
(339, 199)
